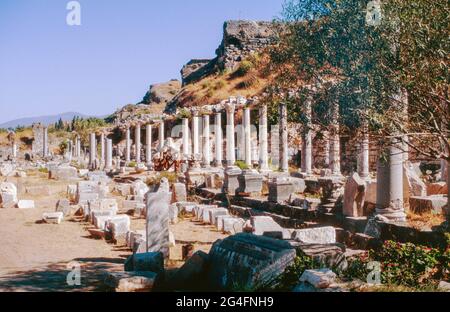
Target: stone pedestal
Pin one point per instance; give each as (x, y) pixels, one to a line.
(250, 182)
(280, 189)
(157, 222)
(231, 180)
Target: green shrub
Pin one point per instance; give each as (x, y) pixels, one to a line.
(403, 264)
(244, 68)
(132, 164)
(43, 170)
(241, 164)
(289, 279)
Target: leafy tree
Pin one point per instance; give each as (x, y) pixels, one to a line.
(387, 67)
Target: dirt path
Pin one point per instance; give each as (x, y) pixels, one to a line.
(34, 256)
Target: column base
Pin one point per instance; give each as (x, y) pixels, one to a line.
(392, 214)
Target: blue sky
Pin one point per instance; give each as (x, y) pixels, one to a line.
(121, 47)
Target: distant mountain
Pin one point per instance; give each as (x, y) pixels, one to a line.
(47, 120)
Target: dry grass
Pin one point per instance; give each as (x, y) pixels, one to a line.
(213, 89)
(425, 220)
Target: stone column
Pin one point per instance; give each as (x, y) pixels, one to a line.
(128, 146)
(263, 139)
(185, 129)
(92, 151)
(206, 142)
(102, 148)
(248, 138)
(137, 143)
(14, 150)
(335, 159)
(161, 134)
(219, 138)
(363, 157)
(45, 143)
(108, 156)
(307, 139)
(195, 136)
(148, 145)
(390, 183)
(78, 146)
(231, 157)
(284, 166)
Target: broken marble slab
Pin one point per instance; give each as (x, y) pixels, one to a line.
(53, 217)
(25, 204)
(318, 235)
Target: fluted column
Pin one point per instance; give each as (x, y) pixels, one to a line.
(219, 138)
(148, 144)
(161, 134)
(185, 129)
(263, 139)
(284, 165)
(206, 142)
(231, 158)
(92, 151)
(306, 164)
(128, 146)
(248, 137)
(335, 158)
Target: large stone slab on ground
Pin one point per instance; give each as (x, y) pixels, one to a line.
(354, 195)
(157, 222)
(53, 217)
(424, 204)
(131, 281)
(319, 278)
(319, 235)
(214, 213)
(247, 261)
(179, 193)
(8, 195)
(25, 204)
(63, 173)
(325, 255)
(63, 205)
(265, 224)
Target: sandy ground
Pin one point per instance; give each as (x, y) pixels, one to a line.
(34, 256)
